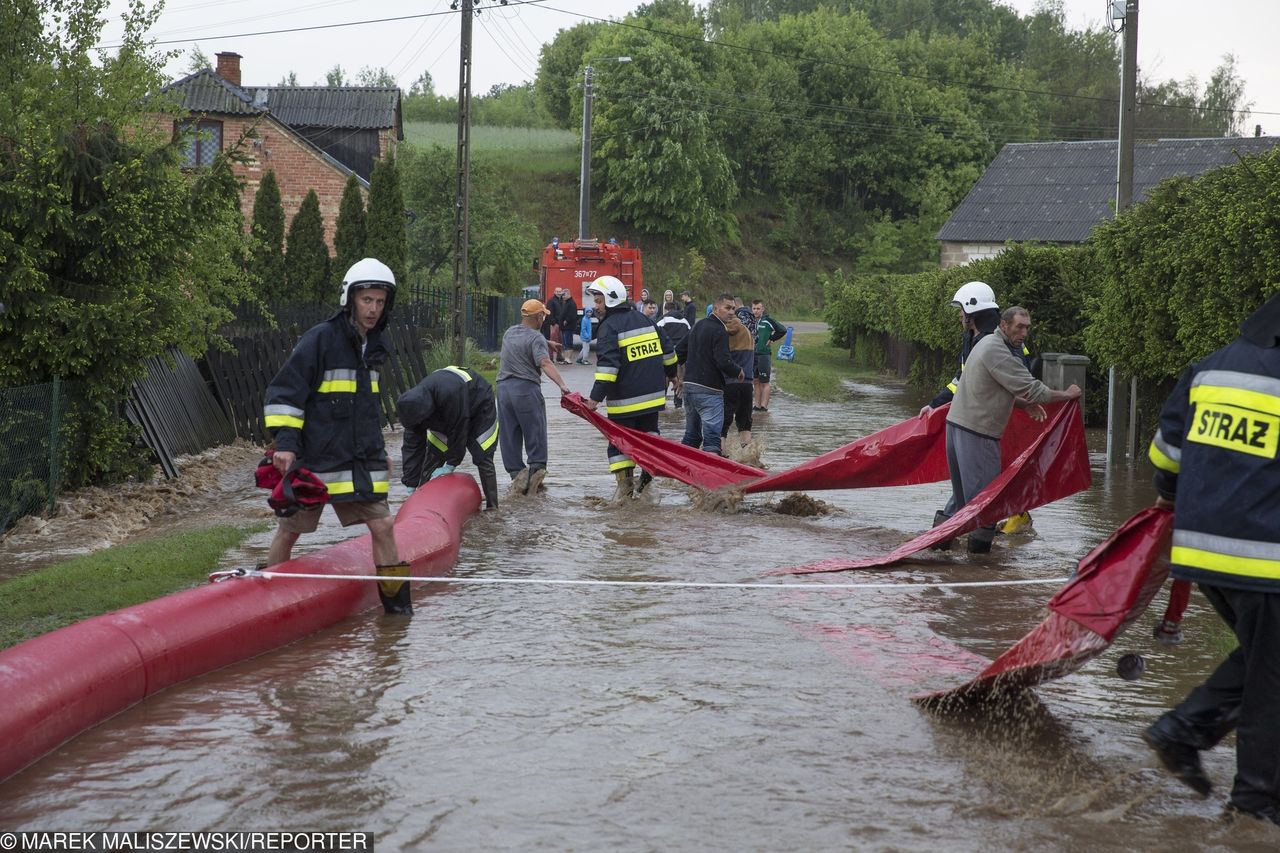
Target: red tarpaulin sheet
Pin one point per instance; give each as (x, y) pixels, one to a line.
(1111, 588)
(905, 454)
(1055, 465)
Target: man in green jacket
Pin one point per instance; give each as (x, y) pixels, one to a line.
(768, 330)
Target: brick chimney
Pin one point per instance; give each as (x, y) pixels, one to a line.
(229, 67)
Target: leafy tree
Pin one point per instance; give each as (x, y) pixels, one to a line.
(424, 85)
(335, 76)
(197, 60)
(368, 76)
(290, 79)
(348, 240)
(501, 242)
(109, 253)
(560, 64)
(385, 224)
(654, 151)
(307, 260)
(266, 266)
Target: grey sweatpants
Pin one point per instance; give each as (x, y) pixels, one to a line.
(974, 461)
(522, 425)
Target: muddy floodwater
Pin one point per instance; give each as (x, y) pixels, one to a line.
(519, 717)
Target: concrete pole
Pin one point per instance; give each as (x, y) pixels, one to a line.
(1121, 394)
(584, 177)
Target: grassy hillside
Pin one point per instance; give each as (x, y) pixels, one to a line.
(539, 168)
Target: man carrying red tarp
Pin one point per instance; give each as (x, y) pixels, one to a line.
(994, 381)
(1216, 453)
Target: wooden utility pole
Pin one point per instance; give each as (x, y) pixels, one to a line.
(1122, 396)
(462, 196)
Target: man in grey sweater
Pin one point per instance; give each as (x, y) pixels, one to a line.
(994, 381)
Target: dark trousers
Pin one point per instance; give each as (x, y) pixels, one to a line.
(645, 422)
(1243, 694)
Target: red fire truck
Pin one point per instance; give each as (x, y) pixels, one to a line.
(575, 264)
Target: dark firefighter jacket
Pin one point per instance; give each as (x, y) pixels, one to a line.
(444, 414)
(323, 406)
(1215, 452)
(947, 394)
(633, 361)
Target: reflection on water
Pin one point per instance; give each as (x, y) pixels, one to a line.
(640, 719)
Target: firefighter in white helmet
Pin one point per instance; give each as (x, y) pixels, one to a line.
(323, 412)
(633, 362)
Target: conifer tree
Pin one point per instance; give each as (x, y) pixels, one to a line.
(385, 237)
(348, 242)
(266, 265)
(307, 260)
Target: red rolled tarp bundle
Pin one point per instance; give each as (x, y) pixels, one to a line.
(1112, 587)
(59, 684)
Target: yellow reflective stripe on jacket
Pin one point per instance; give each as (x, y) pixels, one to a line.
(458, 371)
(438, 440)
(637, 404)
(373, 380)
(1243, 557)
(343, 482)
(489, 436)
(1236, 411)
(606, 374)
(337, 382)
(951, 386)
(1163, 455)
(278, 415)
(669, 360)
(639, 344)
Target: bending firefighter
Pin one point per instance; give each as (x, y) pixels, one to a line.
(633, 363)
(1217, 465)
(322, 410)
(451, 411)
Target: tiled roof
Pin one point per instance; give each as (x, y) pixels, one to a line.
(1056, 192)
(206, 92)
(354, 107)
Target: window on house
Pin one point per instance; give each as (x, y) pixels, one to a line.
(203, 141)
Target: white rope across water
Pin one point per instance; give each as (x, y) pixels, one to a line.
(808, 587)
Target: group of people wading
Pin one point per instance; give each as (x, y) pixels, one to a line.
(1215, 453)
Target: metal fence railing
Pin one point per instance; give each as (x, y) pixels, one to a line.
(30, 469)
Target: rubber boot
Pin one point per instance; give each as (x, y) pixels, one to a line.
(938, 518)
(626, 483)
(536, 476)
(643, 483)
(395, 594)
(979, 541)
(488, 481)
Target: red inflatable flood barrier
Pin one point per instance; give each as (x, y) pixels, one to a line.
(61, 683)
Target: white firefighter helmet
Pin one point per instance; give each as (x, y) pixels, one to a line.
(975, 296)
(613, 290)
(368, 272)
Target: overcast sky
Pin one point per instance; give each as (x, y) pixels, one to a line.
(1177, 38)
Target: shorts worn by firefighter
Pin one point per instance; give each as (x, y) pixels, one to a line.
(633, 361)
(1215, 455)
(451, 411)
(323, 407)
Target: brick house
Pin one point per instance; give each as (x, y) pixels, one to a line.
(312, 137)
(1057, 192)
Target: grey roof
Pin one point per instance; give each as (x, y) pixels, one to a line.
(1056, 192)
(353, 107)
(206, 92)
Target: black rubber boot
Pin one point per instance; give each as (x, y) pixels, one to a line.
(395, 594)
(938, 518)
(977, 543)
(643, 483)
(1180, 759)
(488, 481)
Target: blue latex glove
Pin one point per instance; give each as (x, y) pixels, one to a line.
(441, 471)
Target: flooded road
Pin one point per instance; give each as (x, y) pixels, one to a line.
(516, 717)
